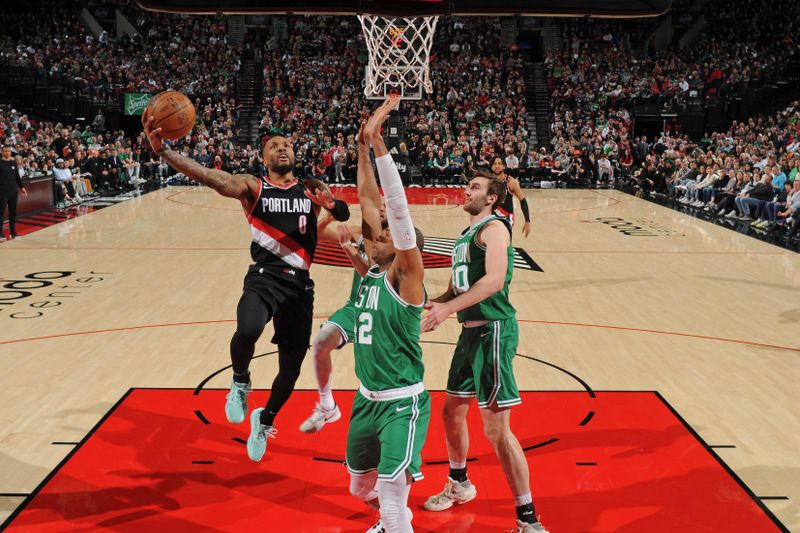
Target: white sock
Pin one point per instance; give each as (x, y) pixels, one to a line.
(458, 466)
(326, 398)
(523, 500)
(324, 342)
(394, 501)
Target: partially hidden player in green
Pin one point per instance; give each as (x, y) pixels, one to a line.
(483, 260)
(340, 327)
(391, 409)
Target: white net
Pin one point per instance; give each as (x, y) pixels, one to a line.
(399, 49)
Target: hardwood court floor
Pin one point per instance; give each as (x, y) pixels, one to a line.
(633, 296)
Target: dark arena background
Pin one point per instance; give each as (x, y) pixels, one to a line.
(656, 145)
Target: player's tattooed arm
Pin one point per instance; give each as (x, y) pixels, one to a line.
(243, 187)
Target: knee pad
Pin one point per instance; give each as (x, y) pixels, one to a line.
(395, 515)
(363, 487)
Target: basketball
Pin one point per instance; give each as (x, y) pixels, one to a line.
(173, 113)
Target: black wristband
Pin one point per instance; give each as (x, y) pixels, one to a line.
(523, 204)
(340, 211)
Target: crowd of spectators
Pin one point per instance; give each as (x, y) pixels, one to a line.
(83, 162)
(166, 53)
(87, 163)
(315, 97)
(190, 54)
(605, 63)
(604, 68)
(749, 173)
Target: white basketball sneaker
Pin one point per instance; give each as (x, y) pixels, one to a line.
(319, 417)
(454, 493)
(527, 527)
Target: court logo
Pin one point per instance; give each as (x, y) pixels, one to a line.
(33, 294)
(437, 254)
(638, 227)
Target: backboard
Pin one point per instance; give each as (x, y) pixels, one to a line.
(416, 8)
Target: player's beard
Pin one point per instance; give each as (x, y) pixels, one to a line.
(473, 206)
(282, 168)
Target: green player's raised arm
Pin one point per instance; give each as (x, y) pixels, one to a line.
(368, 195)
(407, 263)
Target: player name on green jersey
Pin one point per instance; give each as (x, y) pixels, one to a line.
(469, 265)
(387, 351)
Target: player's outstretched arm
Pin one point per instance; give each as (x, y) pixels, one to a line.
(372, 129)
(368, 194)
(407, 265)
(243, 187)
(496, 239)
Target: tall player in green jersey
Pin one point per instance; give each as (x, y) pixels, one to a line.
(482, 362)
(391, 410)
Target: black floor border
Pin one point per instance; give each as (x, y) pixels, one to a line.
(21, 507)
(723, 464)
(328, 460)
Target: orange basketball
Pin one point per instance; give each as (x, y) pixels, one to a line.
(173, 113)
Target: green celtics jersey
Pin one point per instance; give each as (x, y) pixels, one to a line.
(387, 349)
(469, 265)
(356, 276)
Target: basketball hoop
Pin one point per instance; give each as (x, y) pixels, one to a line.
(399, 50)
